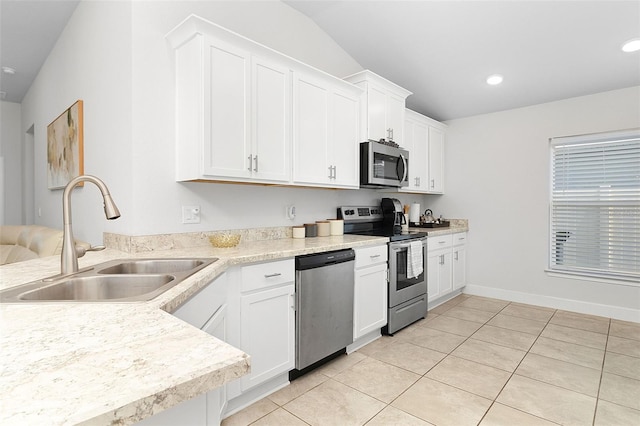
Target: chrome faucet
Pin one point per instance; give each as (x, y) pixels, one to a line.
(69, 258)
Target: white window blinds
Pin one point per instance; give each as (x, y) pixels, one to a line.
(595, 205)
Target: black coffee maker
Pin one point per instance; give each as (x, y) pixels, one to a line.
(393, 215)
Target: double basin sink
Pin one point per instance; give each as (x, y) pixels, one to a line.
(123, 280)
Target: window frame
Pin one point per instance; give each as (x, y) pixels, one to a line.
(576, 270)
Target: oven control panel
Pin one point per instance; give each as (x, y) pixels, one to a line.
(360, 213)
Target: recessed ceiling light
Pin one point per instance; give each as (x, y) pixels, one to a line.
(8, 70)
(632, 45)
(494, 79)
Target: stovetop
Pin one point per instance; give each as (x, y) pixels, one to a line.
(368, 220)
(411, 235)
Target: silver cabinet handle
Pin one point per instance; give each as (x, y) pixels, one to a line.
(255, 159)
(334, 172)
(373, 256)
(442, 259)
(277, 274)
(441, 242)
(433, 183)
(250, 162)
(390, 133)
(330, 172)
(456, 253)
(293, 302)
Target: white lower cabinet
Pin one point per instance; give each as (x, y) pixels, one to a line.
(268, 332)
(206, 310)
(370, 301)
(446, 265)
(459, 260)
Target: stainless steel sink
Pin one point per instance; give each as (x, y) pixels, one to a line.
(153, 266)
(123, 280)
(105, 287)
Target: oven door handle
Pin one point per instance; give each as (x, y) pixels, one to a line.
(399, 246)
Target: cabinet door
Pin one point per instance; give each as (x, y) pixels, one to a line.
(433, 274)
(268, 327)
(395, 106)
(344, 140)
(377, 115)
(271, 91)
(311, 100)
(416, 139)
(459, 267)
(226, 121)
(436, 160)
(370, 301)
(439, 279)
(445, 281)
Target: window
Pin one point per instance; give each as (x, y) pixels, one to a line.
(595, 205)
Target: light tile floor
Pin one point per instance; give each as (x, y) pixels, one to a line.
(473, 361)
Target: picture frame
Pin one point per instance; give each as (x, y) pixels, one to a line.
(65, 147)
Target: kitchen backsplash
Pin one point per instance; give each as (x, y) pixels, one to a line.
(149, 243)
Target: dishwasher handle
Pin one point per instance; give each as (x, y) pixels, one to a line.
(318, 260)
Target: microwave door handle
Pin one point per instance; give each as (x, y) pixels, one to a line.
(404, 168)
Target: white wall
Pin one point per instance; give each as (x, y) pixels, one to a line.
(497, 175)
(11, 154)
(90, 61)
(114, 56)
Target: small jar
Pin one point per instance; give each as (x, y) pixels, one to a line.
(337, 226)
(311, 229)
(324, 228)
(299, 232)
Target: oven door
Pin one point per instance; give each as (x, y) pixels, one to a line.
(401, 288)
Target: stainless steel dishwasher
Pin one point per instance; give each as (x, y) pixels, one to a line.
(324, 305)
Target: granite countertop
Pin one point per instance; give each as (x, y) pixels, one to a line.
(104, 363)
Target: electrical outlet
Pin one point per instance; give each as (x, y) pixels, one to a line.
(290, 212)
(190, 214)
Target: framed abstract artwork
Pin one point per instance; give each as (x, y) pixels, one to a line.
(65, 151)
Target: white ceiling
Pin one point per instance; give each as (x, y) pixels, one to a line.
(440, 50)
(443, 51)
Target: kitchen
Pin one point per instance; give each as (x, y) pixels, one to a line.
(132, 102)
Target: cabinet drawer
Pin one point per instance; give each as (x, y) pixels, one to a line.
(268, 274)
(441, 241)
(460, 238)
(367, 256)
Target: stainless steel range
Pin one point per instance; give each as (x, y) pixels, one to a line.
(407, 291)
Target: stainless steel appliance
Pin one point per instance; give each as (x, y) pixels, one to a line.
(383, 164)
(324, 306)
(407, 297)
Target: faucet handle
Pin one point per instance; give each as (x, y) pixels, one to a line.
(81, 251)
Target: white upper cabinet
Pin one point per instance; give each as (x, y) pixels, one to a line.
(436, 160)
(424, 138)
(383, 107)
(326, 134)
(416, 140)
(240, 110)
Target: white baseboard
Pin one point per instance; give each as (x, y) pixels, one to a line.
(616, 312)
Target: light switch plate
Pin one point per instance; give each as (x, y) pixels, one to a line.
(190, 214)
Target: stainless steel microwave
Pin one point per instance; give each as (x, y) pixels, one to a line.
(383, 166)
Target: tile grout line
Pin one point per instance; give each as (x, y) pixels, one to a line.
(604, 360)
(514, 372)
